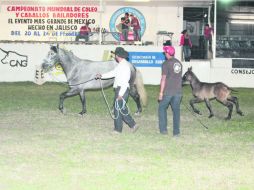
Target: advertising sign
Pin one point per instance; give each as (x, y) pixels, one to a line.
(40, 23)
(146, 59)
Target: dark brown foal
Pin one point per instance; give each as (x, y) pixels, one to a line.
(204, 92)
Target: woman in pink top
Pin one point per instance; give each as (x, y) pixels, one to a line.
(185, 41)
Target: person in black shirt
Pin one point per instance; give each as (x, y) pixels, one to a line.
(125, 26)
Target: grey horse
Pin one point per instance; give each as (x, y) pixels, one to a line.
(80, 74)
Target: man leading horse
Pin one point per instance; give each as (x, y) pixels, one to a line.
(122, 76)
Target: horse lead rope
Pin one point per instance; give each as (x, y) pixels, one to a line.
(195, 116)
(124, 102)
(117, 107)
(81, 82)
(55, 79)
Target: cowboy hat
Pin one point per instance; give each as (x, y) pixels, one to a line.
(121, 52)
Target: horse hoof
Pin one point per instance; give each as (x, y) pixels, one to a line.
(198, 112)
(137, 113)
(227, 118)
(240, 113)
(63, 111)
(82, 113)
(210, 116)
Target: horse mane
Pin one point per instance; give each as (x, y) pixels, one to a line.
(194, 76)
(71, 54)
(76, 60)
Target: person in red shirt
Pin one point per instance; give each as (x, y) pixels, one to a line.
(136, 28)
(84, 33)
(208, 32)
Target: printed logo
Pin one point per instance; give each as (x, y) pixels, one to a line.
(13, 58)
(177, 67)
(39, 75)
(58, 70)
(116, 19)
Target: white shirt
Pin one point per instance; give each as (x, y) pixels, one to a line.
(122, 74)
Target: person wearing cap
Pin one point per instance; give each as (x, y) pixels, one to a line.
(136, 27)
(170, 91)
(185, 41)
(121, 75)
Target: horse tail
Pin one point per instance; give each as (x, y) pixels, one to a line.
(229, 88)
(141, 88)
(233, 90)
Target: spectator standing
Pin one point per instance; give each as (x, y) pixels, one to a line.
(136, 27)
(125, 26)
(208, 31)
(170, 91)
(185, 41)
(84, 33)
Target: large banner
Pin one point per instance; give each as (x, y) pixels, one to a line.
(43, 23)
(22, 61)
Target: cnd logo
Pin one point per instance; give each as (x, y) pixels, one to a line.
(13, 58)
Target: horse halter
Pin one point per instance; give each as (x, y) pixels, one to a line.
(187, 76)
(49, 61)
(52, 55)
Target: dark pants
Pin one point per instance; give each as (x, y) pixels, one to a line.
(186, 53)
(175, 102)
(208, 47)
(137, 35)
(123, 114)
(125, 33)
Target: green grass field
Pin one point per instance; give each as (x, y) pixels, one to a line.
(42, 149)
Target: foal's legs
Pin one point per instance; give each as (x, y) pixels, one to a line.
(208, 105)
(235, 101)
(230, 107)
(71, 92)
(136, 97)
(194, 101)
